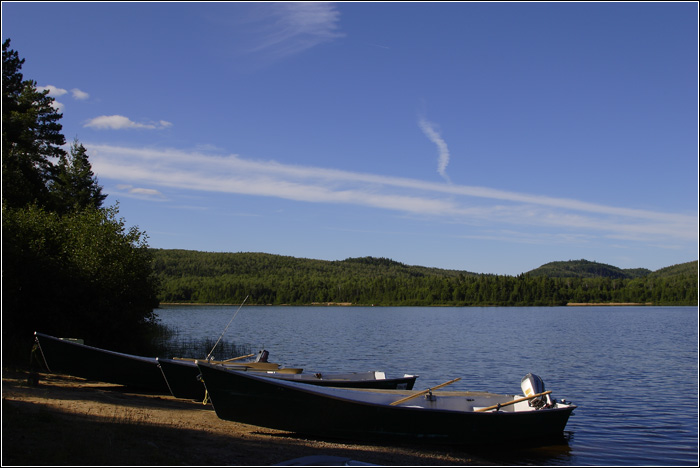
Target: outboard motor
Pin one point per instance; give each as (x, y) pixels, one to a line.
(262, 356)
(532, 384)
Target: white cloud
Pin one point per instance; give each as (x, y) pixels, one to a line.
(58, 106)
(53, 90)
(287, 28)
(443, 153)
(56, 92)
(145, 191)
(119, 122)
(79, 95)
(140, 192)
(453, 203)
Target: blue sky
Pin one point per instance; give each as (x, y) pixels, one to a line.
(487, 137)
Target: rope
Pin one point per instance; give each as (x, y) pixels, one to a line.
(222, 333)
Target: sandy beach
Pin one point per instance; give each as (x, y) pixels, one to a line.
(66, 420)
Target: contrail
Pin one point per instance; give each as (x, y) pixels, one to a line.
(443, 152)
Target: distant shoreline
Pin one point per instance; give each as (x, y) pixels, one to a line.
(578, 304)
(347, 304)
(272, 305)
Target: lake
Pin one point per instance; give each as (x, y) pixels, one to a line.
(632, 371)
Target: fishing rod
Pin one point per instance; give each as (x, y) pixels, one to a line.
(229, 323)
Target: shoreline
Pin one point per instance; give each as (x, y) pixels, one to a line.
(350, 304)
(612, 304)
(67, 420)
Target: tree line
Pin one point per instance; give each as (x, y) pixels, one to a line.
(204, 277)
(70, 266)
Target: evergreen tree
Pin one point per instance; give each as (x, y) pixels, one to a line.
(75, 186)
(31, 135)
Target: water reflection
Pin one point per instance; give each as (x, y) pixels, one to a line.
(558, 452)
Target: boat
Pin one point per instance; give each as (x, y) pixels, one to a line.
(182, 377)
(368, 380)
(260, 364)
(71, 356)
(430, 416)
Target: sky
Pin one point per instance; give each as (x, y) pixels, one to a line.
(485, 137)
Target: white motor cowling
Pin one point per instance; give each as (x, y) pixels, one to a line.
(532, 385)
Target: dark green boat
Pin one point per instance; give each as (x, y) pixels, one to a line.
(449, 417)
(183, 381)
(79, 360)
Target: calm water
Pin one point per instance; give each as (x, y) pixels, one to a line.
(632, 371)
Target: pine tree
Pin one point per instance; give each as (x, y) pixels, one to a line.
(31, 135)
(75, 186)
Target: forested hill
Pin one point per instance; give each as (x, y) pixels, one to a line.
(209, 277)
(586, 269)
(195, 263)
(689, 268)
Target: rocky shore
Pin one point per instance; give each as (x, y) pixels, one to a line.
(66, 420)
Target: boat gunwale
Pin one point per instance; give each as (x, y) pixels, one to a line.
(297, 377)
(150, 360)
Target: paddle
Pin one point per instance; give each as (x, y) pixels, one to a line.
(239, 357)
(500, 405)
(410, 397)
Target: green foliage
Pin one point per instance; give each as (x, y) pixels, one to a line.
(207, 277)
(75, 186)
(586, 269)
(31, 136)
(81, 274)
(689, 269)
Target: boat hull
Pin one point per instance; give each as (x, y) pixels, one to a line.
(183, 382)
(182, 379)
(299, 408)
(88, 362)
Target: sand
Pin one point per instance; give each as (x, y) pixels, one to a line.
(66, 420)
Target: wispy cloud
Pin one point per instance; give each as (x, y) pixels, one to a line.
(103, 122)
(140, 192)
(56, 92)
(478, 206)
(288, 28)
(119, 122)
(79, 94)
(443, 153)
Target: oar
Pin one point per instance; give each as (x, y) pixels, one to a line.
(239, 357)
(410, 397)
(501, 405)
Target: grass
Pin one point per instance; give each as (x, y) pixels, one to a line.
(201, 348)
(170, 342)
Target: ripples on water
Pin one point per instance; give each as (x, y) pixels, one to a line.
(633, 371)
